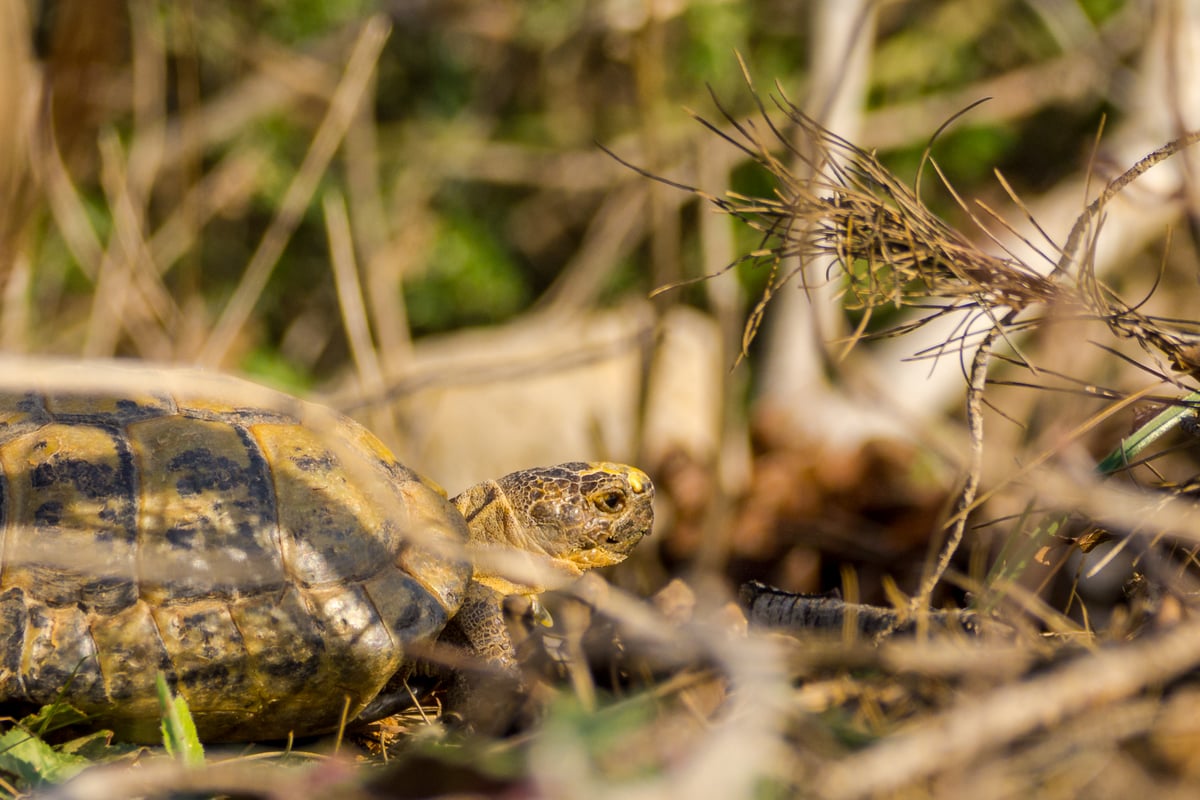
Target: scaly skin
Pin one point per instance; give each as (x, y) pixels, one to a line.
(569, 518)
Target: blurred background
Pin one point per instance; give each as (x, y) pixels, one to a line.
(405, 209)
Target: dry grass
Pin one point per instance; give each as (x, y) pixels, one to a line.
(971, 716)
(163, 205)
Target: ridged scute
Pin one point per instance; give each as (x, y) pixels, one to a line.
(272, 558)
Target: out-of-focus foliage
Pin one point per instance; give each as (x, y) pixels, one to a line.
(480, 175)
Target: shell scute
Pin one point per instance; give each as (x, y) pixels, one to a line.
(58, 645)
(20, 413)
(356, 637)
(102, 408)
(69, 532)
(336, 509)
(408, 608)
(284, 644)
(130, 653)
(14, 622)
(204, 644)
(208, 524)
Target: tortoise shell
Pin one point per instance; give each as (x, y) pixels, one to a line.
(271, 557)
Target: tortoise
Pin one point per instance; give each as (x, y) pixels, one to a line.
(271, 557)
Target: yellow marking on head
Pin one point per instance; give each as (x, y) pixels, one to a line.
(637, 480)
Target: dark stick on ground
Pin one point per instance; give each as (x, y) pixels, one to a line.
(769, 607)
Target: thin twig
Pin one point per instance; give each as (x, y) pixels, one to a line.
(966, 498)
(354, 310)
(979, 725)
(342, 107)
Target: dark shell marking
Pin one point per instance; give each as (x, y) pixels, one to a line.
(268, 570)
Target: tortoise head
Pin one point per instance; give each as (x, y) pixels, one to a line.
(581, 515)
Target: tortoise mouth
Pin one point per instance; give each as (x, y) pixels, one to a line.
(612, 545)
(595, 557)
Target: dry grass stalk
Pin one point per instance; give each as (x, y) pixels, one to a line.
(990, 722)
(893, 251)
(890, 250)
(343, 106)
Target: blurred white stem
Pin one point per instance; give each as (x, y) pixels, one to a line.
(1162, 103)
(803, 317)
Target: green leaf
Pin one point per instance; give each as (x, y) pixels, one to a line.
(97, 746)
(33, 761)
(179, 730)
(1161, 424)
(53, 716)
(1123, 455)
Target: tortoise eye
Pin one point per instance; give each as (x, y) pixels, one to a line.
(611, 501)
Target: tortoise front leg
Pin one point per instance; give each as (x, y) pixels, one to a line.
(485, 683)
(486, 690)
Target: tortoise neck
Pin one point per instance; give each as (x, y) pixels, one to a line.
(495, 530)
(491, 518)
